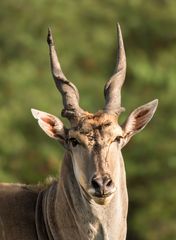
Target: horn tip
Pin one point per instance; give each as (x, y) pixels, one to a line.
(50, 37)
(119, 32)
(118, 25)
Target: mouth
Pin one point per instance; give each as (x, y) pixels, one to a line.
(102, 195)
(101, 198)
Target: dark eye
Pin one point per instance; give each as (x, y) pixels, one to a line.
(74, 142)
(118, 139)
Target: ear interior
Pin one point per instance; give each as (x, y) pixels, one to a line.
(139, 118)
(50, 124)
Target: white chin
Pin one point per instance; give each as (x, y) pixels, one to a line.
(102, 201)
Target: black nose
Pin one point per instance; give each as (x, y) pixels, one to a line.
(102, 185)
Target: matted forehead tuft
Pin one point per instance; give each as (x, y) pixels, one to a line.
(91, 121)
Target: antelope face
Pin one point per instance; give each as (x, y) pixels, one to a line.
(95, 145)
(94, 140)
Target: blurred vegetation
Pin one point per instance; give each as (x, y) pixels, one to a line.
(86, 37)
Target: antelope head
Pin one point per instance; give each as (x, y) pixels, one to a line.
(94, 140)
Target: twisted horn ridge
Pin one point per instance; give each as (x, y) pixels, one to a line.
(69, 92)
(112, 90)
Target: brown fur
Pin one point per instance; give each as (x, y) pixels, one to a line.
(17, 212)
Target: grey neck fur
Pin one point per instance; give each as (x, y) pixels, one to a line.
(68, 210)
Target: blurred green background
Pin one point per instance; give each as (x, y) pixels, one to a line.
(85, 32)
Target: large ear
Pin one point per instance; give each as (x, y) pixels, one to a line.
(50, 124)
(138, 119)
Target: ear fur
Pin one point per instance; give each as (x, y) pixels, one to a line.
(139, 118)
(50, 124)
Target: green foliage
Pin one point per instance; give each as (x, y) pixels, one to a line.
(86, 38)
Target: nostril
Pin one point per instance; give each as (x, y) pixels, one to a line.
(109, 183)
(95, 184)
(102, 184)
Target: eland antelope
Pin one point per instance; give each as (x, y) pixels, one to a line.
(90, 201)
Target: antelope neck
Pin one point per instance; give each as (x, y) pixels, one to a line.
(67, 213)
